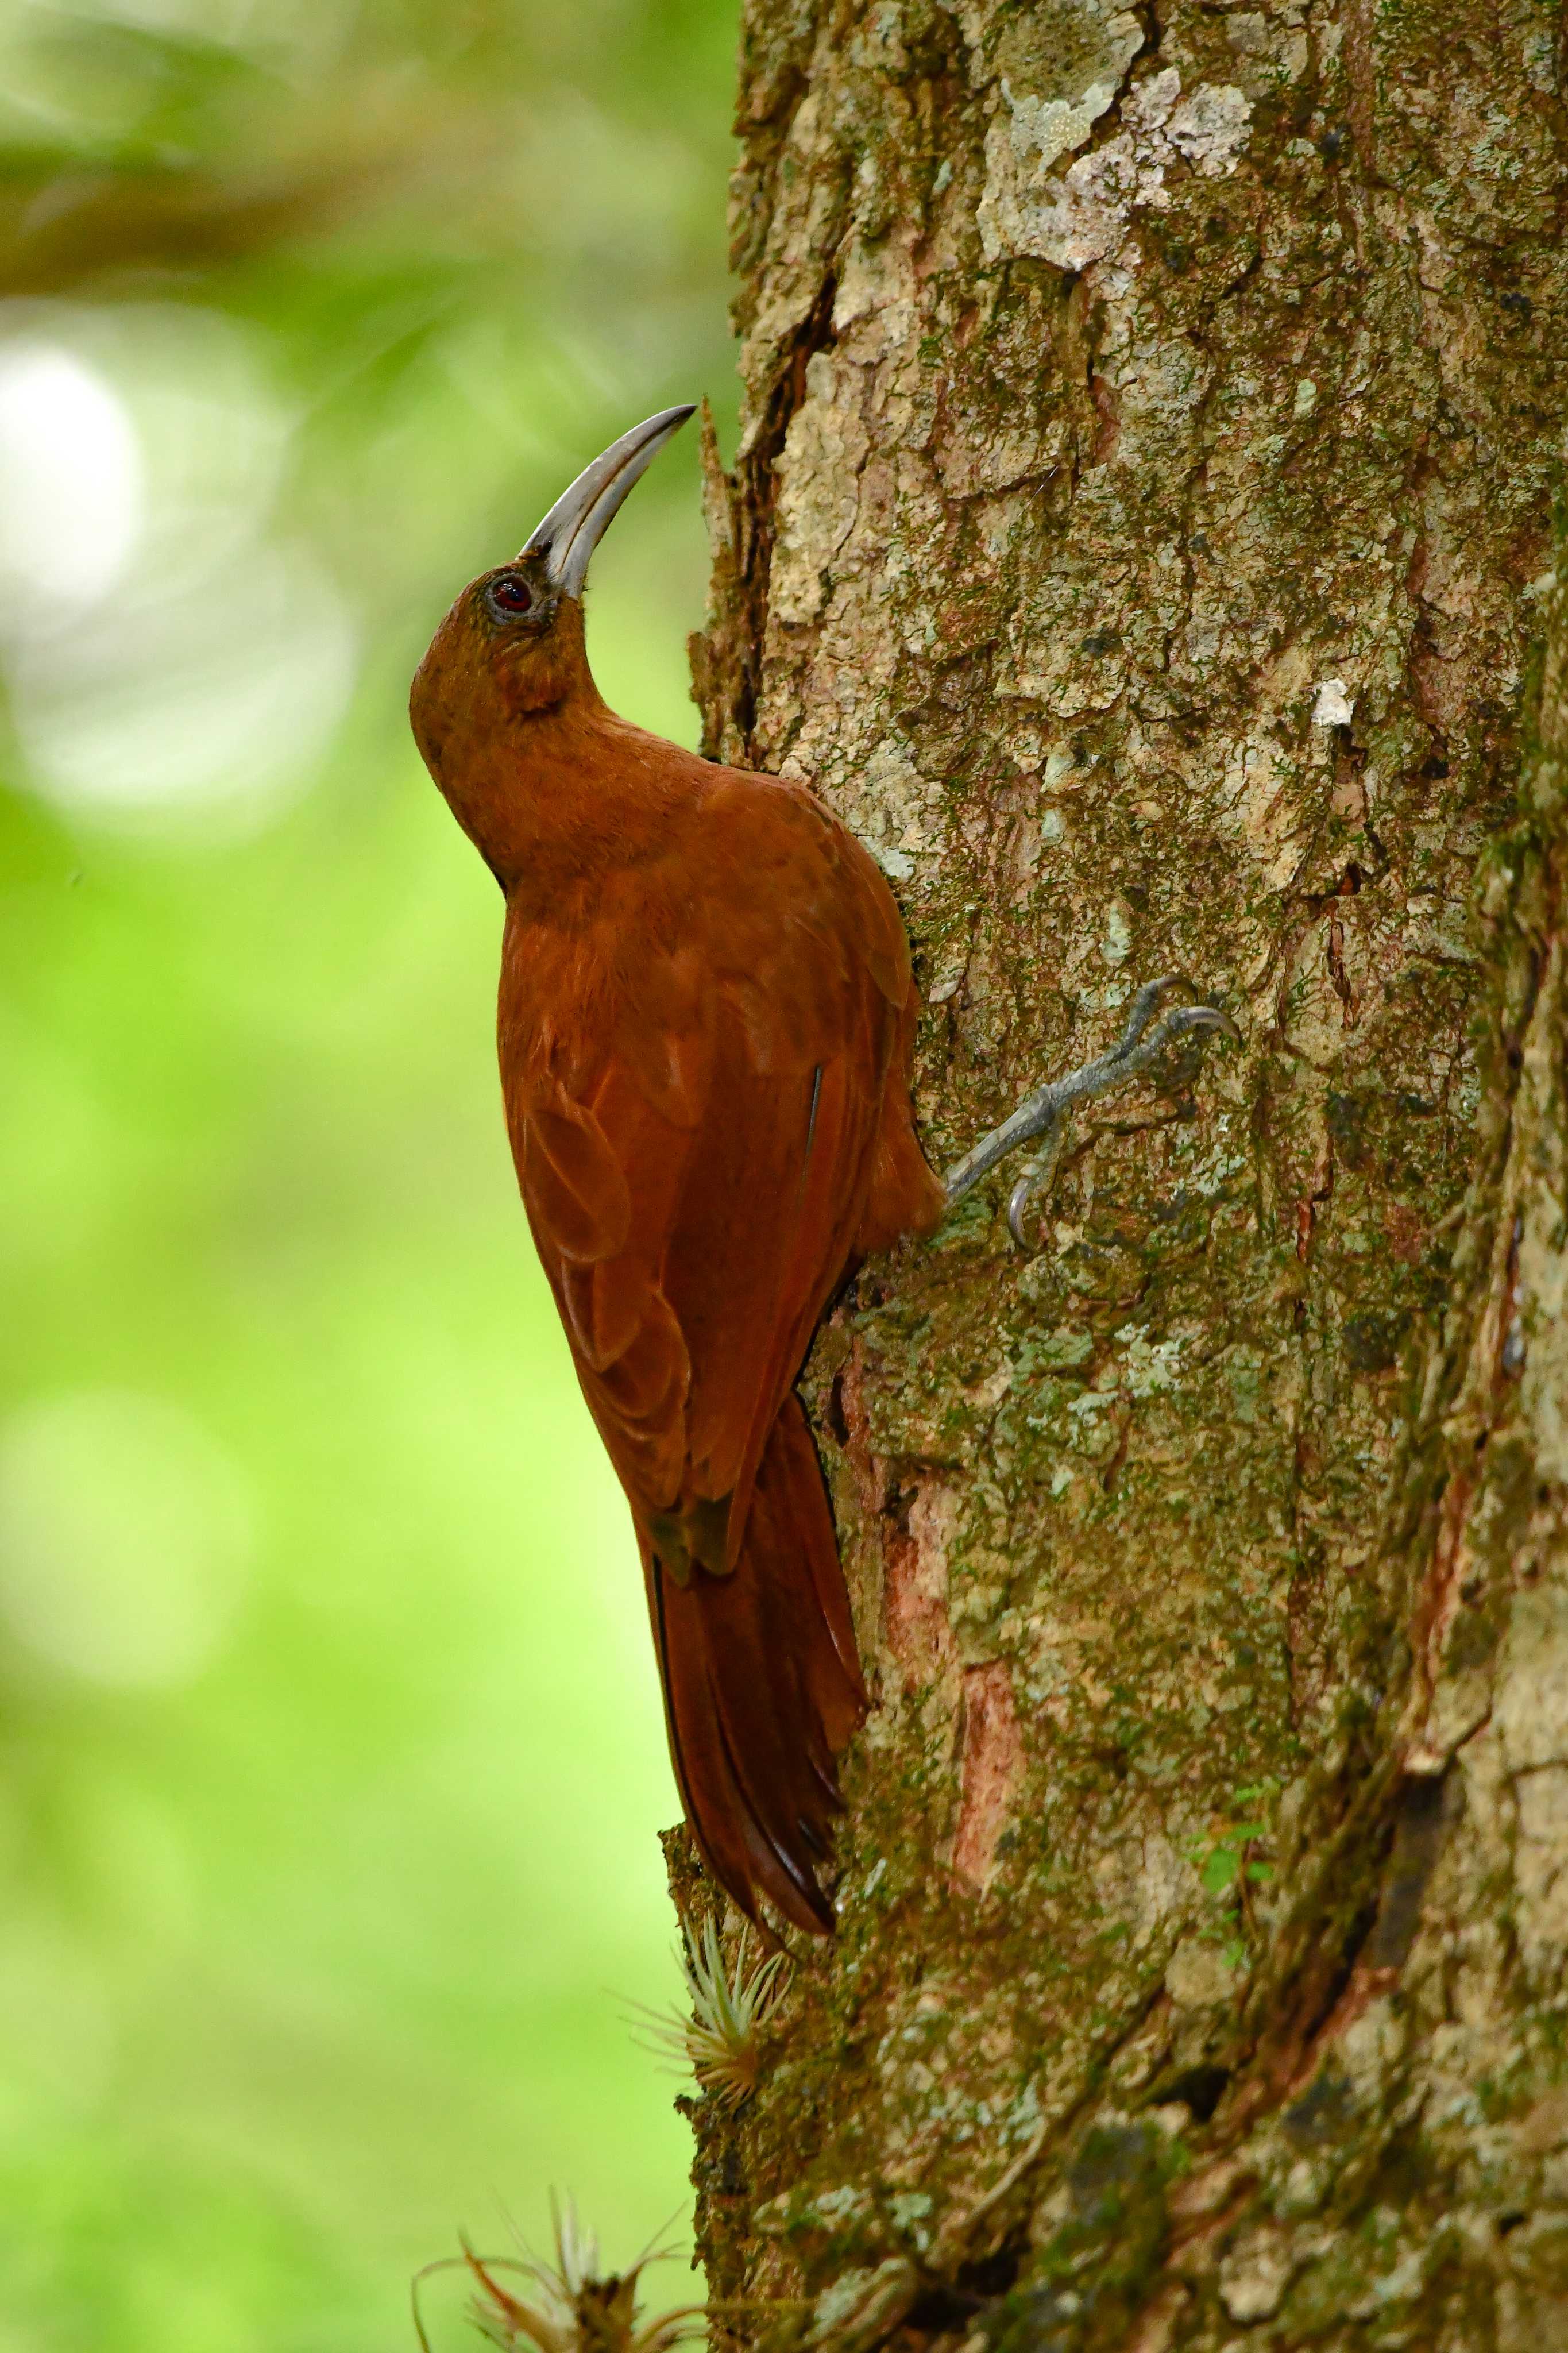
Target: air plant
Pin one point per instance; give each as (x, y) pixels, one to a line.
(730, 2007)
(564, 2307)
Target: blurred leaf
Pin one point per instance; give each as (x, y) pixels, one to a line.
(308, 1935)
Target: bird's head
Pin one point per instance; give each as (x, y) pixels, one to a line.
(512, 643)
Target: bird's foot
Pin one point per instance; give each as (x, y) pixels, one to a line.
(1043, 1113)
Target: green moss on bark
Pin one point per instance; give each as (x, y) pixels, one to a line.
(1139, 531)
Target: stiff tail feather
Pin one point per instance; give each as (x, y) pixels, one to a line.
(761, 1686)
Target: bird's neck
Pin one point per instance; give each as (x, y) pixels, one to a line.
(567, 795)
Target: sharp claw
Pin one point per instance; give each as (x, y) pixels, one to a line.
(1144, 1006)
(1036, 1178)
(1197, 1016)
(1150, 999)
(1018, 1200)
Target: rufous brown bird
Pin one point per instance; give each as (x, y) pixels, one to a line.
(706, 1018)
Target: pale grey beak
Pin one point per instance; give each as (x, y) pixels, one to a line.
(581, 516)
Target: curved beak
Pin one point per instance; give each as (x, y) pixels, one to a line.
(581, 516)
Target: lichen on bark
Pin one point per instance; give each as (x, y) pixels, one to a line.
(1139, 531)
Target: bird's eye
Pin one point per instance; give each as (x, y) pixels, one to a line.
(510, 595)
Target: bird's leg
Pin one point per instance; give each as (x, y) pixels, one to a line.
(1045, 1113)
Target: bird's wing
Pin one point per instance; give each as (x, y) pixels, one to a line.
(695, 1149)
(697, 1134)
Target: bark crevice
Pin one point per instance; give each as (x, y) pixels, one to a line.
(1139, 530)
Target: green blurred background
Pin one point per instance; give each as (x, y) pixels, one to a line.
(332, 1757)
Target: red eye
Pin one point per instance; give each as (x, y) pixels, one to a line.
(510, 595)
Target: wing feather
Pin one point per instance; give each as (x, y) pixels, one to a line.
(697, 1195)
(697, 1134)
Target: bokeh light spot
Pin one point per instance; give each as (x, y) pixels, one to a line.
(72, 491)
(126, 1530)
(57, 2027)
(213, 704)
(174, 662)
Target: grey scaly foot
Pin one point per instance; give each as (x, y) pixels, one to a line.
(1043, 1113)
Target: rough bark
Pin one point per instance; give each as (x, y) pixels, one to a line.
(1139, 530)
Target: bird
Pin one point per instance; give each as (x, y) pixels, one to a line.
(705, 1022)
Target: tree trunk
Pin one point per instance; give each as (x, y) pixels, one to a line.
(1138, 533)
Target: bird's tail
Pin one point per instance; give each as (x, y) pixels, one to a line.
(761, 1686)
